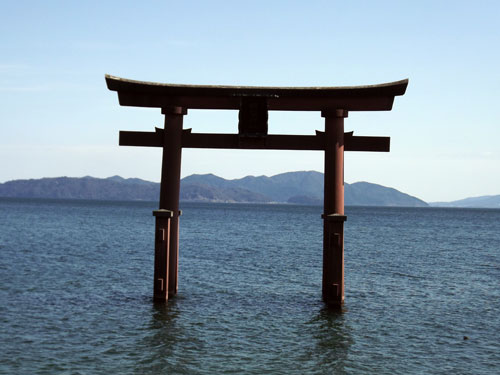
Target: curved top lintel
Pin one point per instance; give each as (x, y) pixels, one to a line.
(152, 94)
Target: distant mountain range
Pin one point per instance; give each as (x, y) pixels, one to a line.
(291, 187)
(487, 201)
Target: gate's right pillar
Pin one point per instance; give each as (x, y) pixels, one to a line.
(333, 209)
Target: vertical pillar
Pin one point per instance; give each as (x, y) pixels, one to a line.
(170, 185)
(333, 211)
(162, 247)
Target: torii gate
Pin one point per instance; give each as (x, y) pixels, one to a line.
(253, 104)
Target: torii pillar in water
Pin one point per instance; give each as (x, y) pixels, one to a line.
(253, 104)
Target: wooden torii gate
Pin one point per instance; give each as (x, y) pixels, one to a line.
(253, 104)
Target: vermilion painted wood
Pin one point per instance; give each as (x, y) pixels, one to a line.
(334, 104)
(270, 142)
(170, 187)
(162, 254)
(333, 231)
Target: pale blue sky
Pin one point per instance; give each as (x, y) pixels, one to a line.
(57, 117)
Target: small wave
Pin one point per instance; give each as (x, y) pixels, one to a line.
(408, 275)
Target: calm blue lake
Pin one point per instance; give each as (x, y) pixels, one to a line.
(76, 291)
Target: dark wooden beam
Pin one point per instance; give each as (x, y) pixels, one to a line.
(360, 143)
(370, 103)
(144, 139)
(270, 142)
(352, 98)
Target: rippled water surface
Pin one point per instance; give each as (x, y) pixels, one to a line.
(76, 288)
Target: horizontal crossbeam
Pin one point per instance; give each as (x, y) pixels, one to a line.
(269, 142)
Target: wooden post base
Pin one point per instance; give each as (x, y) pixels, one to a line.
(333, 260)
(162, 252)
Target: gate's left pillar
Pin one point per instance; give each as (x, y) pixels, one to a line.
(333, 211)
(170, 185)
(162, 247)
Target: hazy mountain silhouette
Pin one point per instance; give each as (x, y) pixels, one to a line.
(485, 201)
(292, 187)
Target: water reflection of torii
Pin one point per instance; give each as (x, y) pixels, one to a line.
(253, 104)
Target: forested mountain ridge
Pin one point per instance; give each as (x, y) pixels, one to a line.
(292, 187)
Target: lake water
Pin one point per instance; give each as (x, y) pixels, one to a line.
(76, 291)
